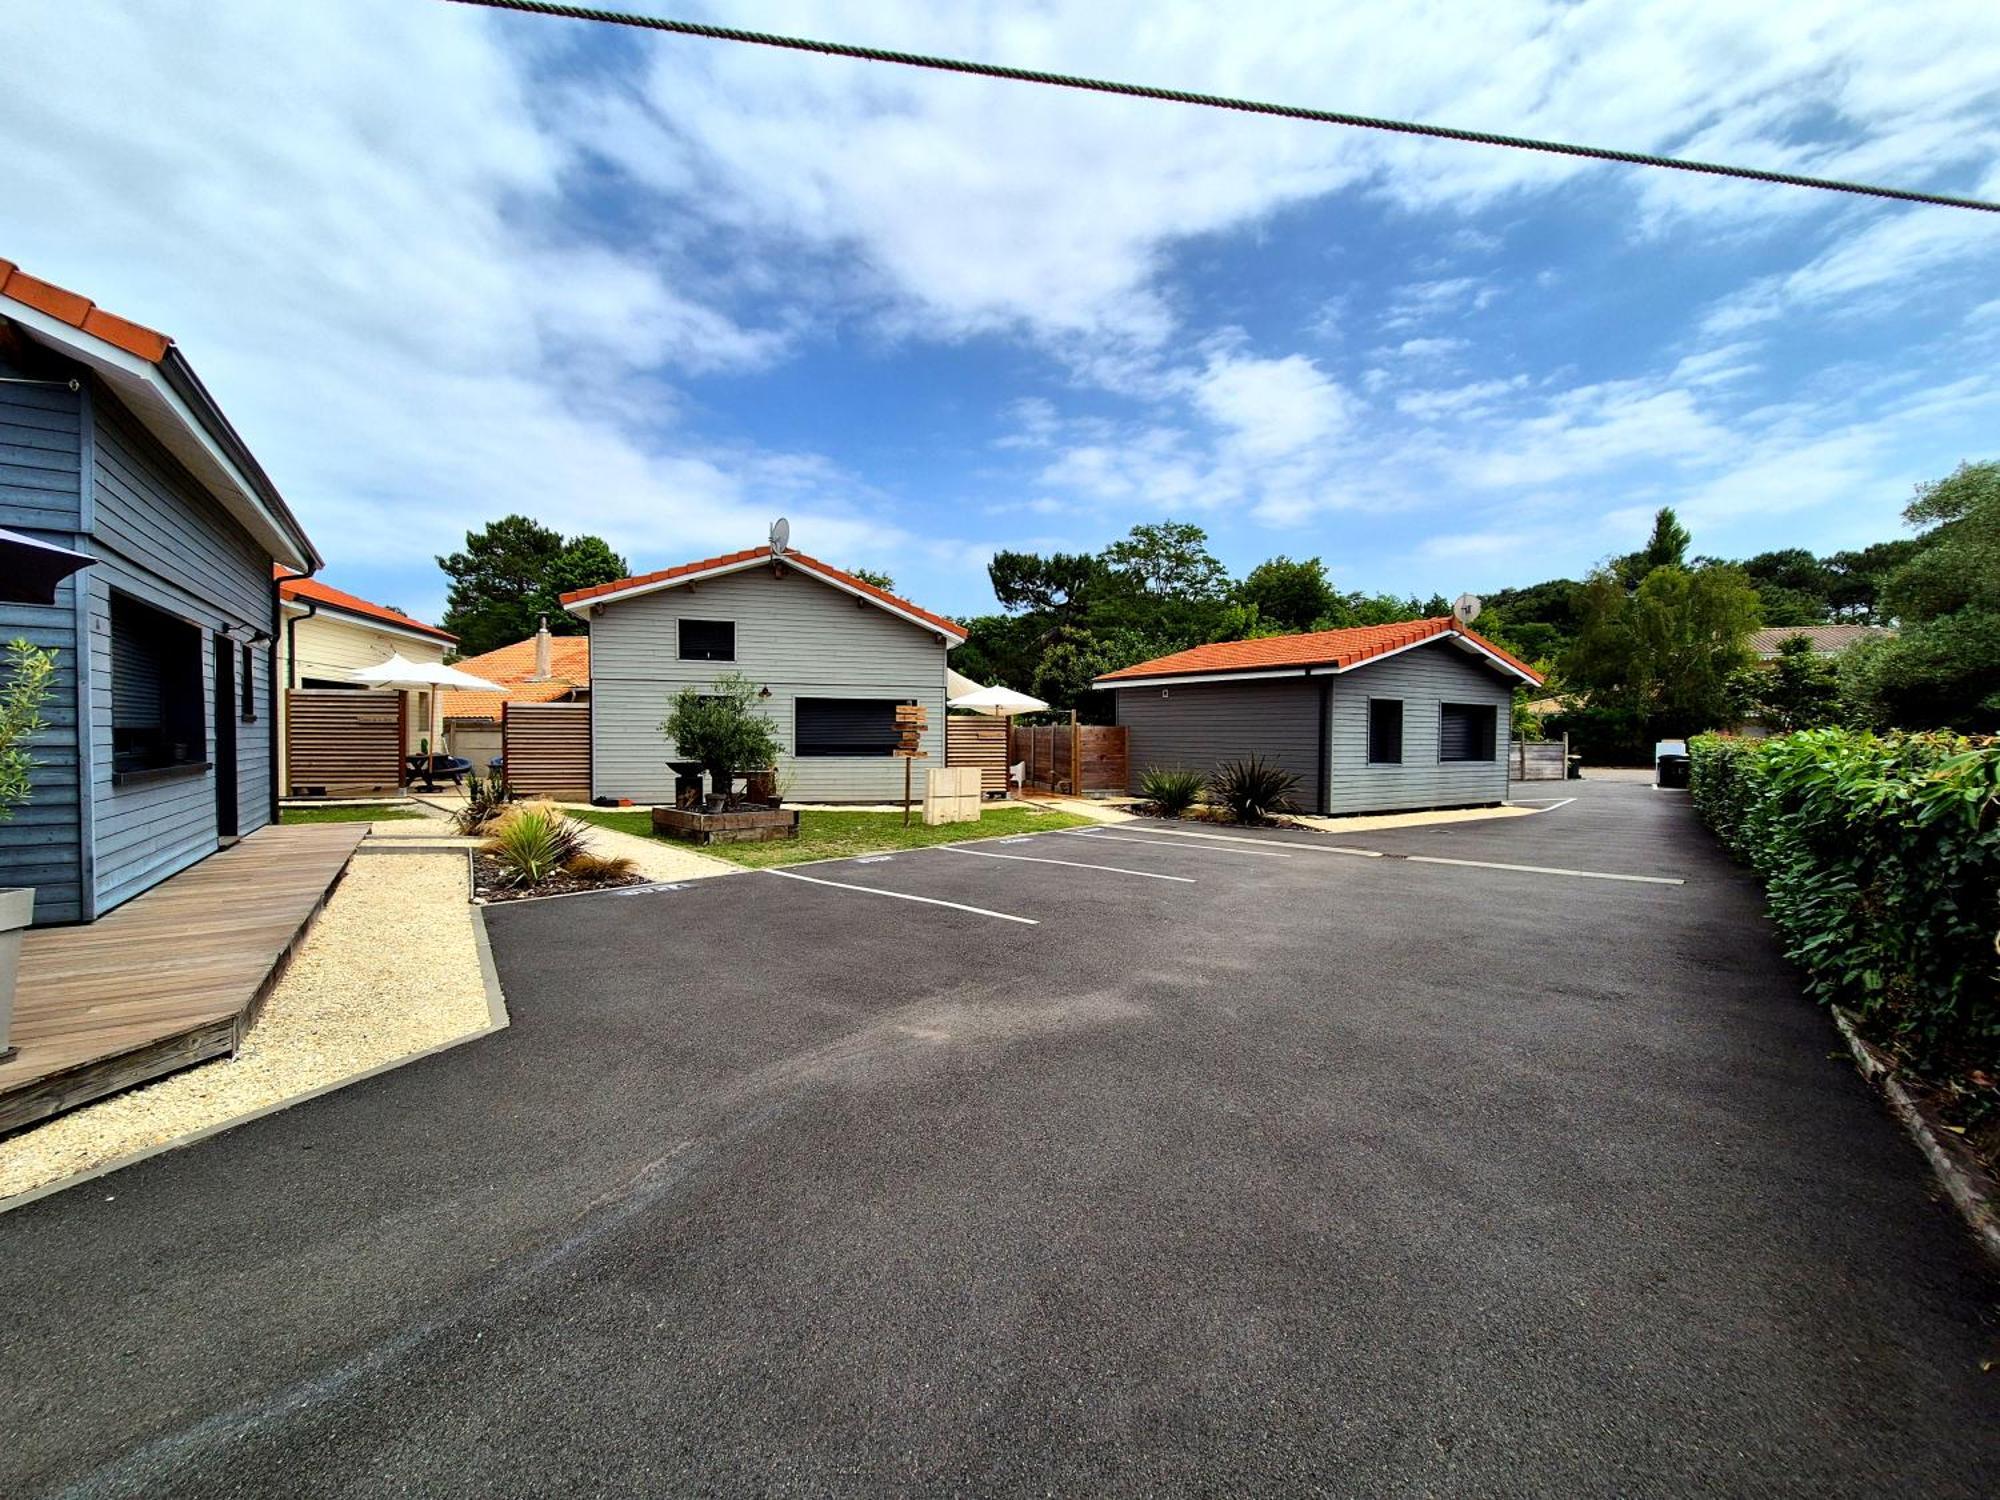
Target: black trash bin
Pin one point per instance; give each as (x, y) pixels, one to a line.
(1672, 771)
(1576, 768)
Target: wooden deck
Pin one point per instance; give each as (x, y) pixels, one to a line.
(172, 977)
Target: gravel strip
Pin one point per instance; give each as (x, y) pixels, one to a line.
(1363, 822)
(657, 859)
(389, 969)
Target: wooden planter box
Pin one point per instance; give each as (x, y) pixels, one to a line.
(747, 827)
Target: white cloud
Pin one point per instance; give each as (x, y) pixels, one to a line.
(1433, 348)
(1271, 407)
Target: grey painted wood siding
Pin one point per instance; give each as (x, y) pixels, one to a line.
(796, 635)
(160, 538)
(41, 493)
(1201, 725)
(1423, 679)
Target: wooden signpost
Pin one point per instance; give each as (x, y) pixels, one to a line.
(911, 722)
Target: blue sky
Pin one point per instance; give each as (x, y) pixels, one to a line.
(440, 265)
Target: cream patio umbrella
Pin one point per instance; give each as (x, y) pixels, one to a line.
(1000, 702)
(425, 676)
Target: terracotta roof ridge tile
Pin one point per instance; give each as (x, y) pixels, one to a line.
(735, 559)
(79, 311)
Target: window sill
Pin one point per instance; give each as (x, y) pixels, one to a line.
(150, 774)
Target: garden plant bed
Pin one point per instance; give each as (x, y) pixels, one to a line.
(839, 835)
(488, 874)
(746, 825)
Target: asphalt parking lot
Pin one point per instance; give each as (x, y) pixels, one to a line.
(1495, 1158)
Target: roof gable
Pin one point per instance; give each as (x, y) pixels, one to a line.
(292, 586)
(581, 601)
(1320, 651)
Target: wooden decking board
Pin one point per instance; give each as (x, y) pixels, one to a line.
(172, 977)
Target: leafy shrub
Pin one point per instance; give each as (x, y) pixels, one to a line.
(600, 869)
(1171, 789)
(30, 670)
(484, 801)
(719, 727)
(531, 842)
(1253, 790)
(1880, 856)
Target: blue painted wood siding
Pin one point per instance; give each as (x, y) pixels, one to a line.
(41, 494)
(1423, 679)
(1201, 725)
(160, 538)
(796, 635)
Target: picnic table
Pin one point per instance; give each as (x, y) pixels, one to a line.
(432, 767)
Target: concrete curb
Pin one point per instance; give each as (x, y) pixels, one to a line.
(1971, 1190)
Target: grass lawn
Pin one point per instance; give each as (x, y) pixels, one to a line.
(373, 812)
(836, 835)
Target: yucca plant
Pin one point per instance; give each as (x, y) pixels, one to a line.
(532, 844)
(1171, 789)
(1253, 789)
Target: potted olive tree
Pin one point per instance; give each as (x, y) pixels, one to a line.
(29, 672)
(719, 727)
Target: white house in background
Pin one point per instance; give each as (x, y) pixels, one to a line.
(328, 635)
(833, 657)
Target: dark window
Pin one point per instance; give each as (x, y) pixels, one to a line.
(157, 697)
(846, 726)
(1385, 731)
(329, 682)
(1465, 731)
(249, 686)
(708, 640)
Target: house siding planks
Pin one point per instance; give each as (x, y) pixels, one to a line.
(796, 635)
(1423, 678)
(160, 538)
(41, 494)
(1200, 725)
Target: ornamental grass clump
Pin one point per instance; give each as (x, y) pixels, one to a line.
(532, 843)
(1253, 789)
(1880, 856)
(484, 802)
(1172, 790)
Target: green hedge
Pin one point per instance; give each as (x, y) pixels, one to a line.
(1881, 858)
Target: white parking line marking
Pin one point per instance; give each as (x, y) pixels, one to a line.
(1487, 864)
(1230, 838)
(869, 890)
(1123, 838)
(1074, 864)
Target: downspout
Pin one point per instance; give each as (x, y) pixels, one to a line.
(1325, 743)
(290, 625)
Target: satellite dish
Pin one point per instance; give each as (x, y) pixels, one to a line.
(1465, 608)
(781, 536)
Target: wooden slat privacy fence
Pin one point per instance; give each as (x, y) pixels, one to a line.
(1539, 760)
(1095, 764)
(342, 744)
(977, 740)
(546, 747)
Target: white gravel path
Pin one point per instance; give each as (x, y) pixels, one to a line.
(390, 969)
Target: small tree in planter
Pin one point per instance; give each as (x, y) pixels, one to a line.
(719, 727)
(30, 669)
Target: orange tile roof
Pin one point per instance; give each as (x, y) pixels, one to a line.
(512, 665)
(80, 312)
(753, 554)
(291, 586)
(1339, 649)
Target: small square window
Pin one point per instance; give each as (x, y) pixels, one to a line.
(1466, 731)
(1385, 731)
(708, 640)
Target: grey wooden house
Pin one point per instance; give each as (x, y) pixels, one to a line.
(1379, 718)
(833, 655)
(162, 730)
